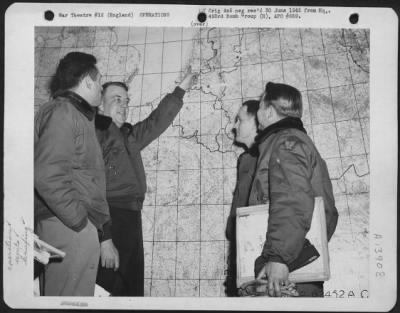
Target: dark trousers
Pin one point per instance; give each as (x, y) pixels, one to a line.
(127, 237)
(311, 289)
(231, 288)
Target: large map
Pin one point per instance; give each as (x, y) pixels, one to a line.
(191, 168)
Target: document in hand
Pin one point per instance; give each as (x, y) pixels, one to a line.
(251, 230)
(43, 251)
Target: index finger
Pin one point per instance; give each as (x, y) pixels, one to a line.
(277, 288)
(270, 288)
(186, 71)
(116, 259)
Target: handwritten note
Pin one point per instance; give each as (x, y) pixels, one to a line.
(18, 238)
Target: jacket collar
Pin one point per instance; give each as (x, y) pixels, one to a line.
(126, 128)
(253, 150)
(287, 122)
(78, 102)
(102, 122)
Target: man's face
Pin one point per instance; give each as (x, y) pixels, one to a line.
(115, 101)
(262, 115)
(245, 126)
(96, 90)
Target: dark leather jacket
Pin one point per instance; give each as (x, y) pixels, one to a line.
(69, 168)
(121, 147)
(246, 166)
(290, 174)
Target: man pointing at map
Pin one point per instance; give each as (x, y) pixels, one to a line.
(121, 271)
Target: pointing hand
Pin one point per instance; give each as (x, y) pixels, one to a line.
(189, 79)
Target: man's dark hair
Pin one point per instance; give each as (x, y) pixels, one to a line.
(72, 69)
(119, 84)
(252, 108)
(285, 99)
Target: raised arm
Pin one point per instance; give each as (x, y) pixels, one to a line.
(144, 132)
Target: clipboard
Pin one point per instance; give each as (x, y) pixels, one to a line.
(252, 226)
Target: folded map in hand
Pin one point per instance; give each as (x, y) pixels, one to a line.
(43, 251)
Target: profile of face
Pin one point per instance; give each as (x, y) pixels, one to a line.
(245, 127)
(115, 104)
(263, 114)
(93, 87)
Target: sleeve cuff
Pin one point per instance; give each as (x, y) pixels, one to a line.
(179, 92)
(106, 232)
(262, 260)
(259, 264)
(276, 258)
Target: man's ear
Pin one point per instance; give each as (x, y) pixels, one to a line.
(271, 112)
(101, 107)
(88, 82)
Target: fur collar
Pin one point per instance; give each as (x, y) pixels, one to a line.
(285, 123)
(78, 102)
(102, 122)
